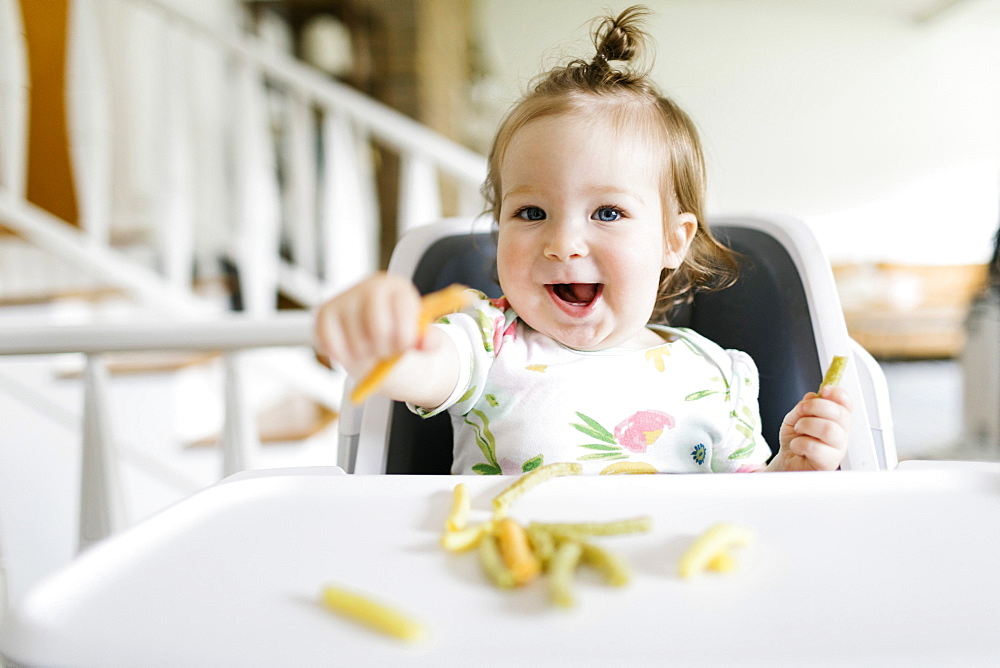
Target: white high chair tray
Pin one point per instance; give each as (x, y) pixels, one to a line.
(890, 568)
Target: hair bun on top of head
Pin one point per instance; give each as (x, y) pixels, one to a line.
(620, 39)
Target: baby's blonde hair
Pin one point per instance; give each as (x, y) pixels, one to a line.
(624, 95)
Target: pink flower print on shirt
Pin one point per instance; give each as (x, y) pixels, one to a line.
(635, 434)
(641, 430)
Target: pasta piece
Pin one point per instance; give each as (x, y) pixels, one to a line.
(716, 540)
(516, 552)
(492, 563)
(581, 529)
(465, 539)
(505, 499)
(615, 570)
(371, 613)
(460, 505)
(561, 571)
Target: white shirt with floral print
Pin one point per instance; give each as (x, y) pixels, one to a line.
(523, 400)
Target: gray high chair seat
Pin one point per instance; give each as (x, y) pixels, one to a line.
(783, 311)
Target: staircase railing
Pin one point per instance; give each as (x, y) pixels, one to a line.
(279, 179)
(276, 176)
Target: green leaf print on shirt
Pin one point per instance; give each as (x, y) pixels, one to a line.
(486, 442)
(531, 464)
(701, 394)
(594, 429)
(488, 445)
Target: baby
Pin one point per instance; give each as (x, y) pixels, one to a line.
(597, 186)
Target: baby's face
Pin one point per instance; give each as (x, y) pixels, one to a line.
(581, 240)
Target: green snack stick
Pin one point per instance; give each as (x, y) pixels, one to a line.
(833, 373)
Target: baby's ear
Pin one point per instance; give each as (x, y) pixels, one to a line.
(679, 239)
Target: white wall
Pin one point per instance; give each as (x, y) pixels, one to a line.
(882, 132)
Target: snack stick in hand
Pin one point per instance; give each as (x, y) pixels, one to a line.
(433, 306)
(833, 373)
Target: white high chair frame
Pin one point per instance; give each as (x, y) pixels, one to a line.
(364, 429)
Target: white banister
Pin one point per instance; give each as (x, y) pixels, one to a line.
(388, 125)
(102, 508)
(175, 228)
(300, 159)
(419, 192)
(239, 432)
(89, 119)
(348, 224)
(230, 332)
(102, 511)
(13, 93)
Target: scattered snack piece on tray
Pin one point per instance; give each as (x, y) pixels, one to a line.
(505, 499)
(371, 613)
(459, 515)
(513, 556)
(711, 550)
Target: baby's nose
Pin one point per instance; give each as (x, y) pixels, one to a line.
(565, 241)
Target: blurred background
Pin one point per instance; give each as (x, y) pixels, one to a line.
(176, 158)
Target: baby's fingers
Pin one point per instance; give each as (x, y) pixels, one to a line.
(820, 455)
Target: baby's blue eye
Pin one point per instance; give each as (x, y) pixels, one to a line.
(531, 213)
(607, 214)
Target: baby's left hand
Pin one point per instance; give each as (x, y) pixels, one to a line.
(814, 434)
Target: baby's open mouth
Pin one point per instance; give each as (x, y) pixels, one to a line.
(577, 294)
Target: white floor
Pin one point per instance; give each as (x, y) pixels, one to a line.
(158, 413)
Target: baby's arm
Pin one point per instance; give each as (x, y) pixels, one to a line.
(814, 434)
(378, 318)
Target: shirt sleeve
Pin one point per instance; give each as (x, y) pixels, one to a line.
(477, 335)
(743, 449)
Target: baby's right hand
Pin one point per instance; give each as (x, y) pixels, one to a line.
(375, 319)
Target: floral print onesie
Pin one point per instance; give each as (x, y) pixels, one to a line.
(524, 400)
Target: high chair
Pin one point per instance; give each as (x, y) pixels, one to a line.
(783, 311)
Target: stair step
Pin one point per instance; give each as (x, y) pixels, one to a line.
(289, 421)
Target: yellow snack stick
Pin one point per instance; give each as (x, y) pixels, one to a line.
(433, 306)
(717, 539)
(561, 571)
(614, 568)
(723, 562)
(516, 552)
(581, 529)
(543, 544)
(465, 539)
(460, 505)
(492, 562)
(834, 372)
(371, 613)
(505, 499)
(621, 468)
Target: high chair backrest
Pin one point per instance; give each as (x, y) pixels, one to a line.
(783, 311)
